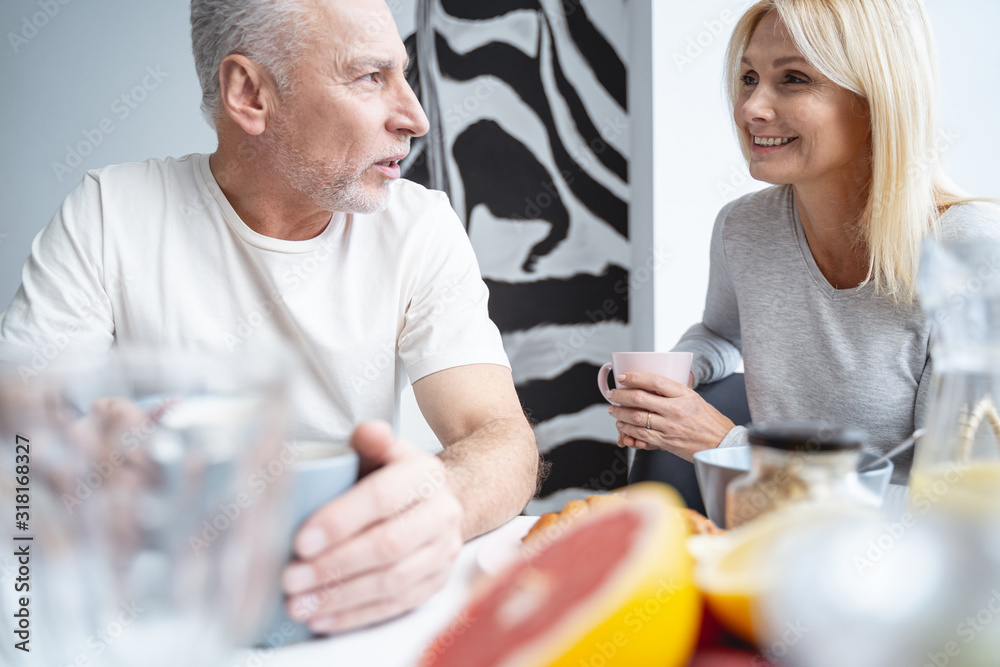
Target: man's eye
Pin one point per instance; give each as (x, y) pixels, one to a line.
(371, 76)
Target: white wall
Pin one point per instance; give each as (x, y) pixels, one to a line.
(698, 167)
(63, 77)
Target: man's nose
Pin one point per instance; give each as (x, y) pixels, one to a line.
(408, 116)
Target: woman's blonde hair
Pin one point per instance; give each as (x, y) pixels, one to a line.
(883, 51)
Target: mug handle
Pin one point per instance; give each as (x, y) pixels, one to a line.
(602, 383)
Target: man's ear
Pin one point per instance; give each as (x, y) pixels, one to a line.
(248, 93)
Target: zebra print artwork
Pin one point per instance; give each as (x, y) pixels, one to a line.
(529, 137)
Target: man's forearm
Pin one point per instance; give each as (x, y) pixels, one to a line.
(493, 473)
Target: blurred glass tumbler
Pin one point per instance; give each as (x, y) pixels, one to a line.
(155, 490)
(673, 365)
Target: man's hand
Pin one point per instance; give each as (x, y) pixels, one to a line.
(384, 546)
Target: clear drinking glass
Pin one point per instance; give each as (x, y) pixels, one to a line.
(140, 495)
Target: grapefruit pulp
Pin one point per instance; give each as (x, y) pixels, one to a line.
(615, 589)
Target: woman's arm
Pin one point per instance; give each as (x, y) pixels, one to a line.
(715, 341)
(657, 413)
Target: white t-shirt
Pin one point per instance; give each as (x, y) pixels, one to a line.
(153, 253)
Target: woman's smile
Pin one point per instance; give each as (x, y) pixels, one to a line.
(762, 145)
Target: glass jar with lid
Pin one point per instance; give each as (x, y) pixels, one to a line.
(796, 462)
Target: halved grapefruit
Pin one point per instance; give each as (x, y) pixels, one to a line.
(615, 589)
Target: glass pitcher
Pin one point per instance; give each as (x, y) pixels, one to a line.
(957, 465)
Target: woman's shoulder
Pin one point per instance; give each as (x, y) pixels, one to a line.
(971, 220)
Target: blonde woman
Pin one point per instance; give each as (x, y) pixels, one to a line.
(812, 280)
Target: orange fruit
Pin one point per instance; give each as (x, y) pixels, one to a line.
(732, 573)
(737, 569)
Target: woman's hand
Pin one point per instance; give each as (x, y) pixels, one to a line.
(678, 419)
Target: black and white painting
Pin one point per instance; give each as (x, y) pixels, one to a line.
(529, 137)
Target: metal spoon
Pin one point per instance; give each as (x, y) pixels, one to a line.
(901, 447)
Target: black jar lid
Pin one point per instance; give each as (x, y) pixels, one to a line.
(805, 436)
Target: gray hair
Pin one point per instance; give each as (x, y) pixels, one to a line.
(272, 33)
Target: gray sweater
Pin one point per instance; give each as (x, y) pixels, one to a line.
(810, 351)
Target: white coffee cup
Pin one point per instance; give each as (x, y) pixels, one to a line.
(673, 365)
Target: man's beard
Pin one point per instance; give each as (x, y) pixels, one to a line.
(331, 187)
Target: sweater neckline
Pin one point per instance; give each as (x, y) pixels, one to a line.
(822, 283)
(813, 268)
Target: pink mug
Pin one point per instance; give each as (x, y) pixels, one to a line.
(673, 365)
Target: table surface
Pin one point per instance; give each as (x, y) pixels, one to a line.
(401, 641)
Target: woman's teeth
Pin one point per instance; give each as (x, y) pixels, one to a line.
(764, 141)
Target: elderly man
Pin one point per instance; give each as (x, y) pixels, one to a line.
(298, 230)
